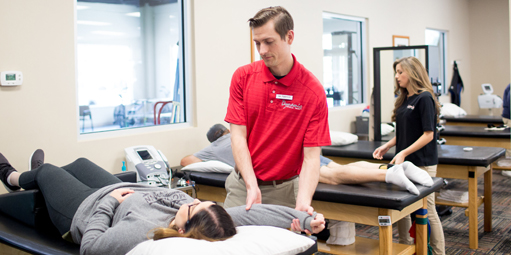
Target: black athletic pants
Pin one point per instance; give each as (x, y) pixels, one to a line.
(65, 188)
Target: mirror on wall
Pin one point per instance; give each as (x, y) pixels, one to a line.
(384, 84)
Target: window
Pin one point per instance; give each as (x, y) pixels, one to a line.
(129, 62)
(437, 44)
(343, 75)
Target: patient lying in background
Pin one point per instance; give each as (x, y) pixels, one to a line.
(330, 172)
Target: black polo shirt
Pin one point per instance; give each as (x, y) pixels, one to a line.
(416, 115)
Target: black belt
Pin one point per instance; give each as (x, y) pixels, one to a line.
(266, 183)
(277, 182)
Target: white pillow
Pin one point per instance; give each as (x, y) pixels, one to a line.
(386, 128)
(249, 240)
(212, 166)
(449, 109)
(342, 138)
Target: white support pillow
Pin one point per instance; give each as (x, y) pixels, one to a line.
(342, 138)
(212, 166)
(386, 128)
(249, 240)
(449, 109)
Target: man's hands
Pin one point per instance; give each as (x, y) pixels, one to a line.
(253, 197)
(317, 224)
(304, 208)
(121, 194)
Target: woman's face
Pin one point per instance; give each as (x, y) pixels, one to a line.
(194, 207)
(402, 78)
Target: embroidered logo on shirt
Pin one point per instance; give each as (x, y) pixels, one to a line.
(411, 107)
(291, 106)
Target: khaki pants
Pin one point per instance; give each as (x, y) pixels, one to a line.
(436, 240)
(282, 194)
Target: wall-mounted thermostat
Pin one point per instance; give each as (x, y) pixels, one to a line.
(11, 78)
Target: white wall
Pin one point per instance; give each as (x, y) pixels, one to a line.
(38, 39)
(489, 47)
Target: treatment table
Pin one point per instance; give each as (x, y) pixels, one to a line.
(473, 120)
(25, 224)
(477, 136)
(354, 203)
(453, 162)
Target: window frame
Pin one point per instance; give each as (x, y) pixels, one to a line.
(443, 39)
(363, 56)
(185, 66)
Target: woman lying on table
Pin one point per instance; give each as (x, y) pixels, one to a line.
(107, 216)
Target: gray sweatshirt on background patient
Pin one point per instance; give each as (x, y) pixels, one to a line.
(220, 150)
(103, 226)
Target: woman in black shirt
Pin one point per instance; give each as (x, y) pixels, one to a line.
(416, 114)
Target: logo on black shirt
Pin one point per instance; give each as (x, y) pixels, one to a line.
(410, 107)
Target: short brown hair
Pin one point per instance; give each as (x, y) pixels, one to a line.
(282, 18)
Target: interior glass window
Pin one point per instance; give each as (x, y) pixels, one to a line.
(436, 41)
(343, 77)
(129, 63)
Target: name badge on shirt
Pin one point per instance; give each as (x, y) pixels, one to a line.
(284, 97)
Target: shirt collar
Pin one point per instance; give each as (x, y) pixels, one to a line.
(290, 77)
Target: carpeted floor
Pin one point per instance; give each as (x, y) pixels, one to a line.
(456, 224)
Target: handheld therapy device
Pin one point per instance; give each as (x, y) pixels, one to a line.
(150, 164)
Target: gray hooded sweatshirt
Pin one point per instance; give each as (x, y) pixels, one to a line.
(103, 226)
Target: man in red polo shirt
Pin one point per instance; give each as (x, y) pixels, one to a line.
(279, 119)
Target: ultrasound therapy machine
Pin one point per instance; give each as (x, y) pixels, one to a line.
(150, 164)
(488, 100)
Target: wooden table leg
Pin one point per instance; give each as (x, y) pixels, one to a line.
(421, 229)
(472, 208)
(385, 235)
(488, 178)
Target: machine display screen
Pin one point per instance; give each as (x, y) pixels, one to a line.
(144, 155)
(10, 77)
(487, 87)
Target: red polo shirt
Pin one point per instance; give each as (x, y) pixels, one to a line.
(281, 116)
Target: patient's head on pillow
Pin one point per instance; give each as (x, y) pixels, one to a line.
(206, 221)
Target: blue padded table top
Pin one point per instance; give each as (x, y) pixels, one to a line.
(475, 132)
(474, 119)
(447, 154)
(373, 194)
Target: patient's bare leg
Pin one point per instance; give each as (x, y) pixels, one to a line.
(353, 173)
(361, 172)
(14, 179)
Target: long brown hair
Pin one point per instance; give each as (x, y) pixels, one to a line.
(212, 224)
(418, 80)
